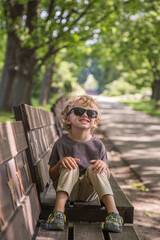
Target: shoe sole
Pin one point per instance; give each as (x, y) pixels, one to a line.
(55, 228)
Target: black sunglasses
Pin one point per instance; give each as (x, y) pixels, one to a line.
(80, 111)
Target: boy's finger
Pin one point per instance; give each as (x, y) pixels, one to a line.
(93, 161)
(77, 159)
(73, 164)
(69, 165)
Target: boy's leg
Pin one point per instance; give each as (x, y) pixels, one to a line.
(102, 186)
(67, 180)
(109, 203)
(84, 190)
(61, 198)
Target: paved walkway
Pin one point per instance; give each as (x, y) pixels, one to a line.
(137, 136)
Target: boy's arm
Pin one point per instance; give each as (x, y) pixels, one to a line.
(54, 171)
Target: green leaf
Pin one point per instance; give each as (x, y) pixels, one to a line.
(140, 187)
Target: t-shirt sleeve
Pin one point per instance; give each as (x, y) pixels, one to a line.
(54, 158)
(104, 154)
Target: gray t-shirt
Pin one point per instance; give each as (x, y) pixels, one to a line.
(94, 149)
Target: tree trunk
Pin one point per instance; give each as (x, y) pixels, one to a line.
(23, 88)
(9, 72)
(156, 90)
(46, 84)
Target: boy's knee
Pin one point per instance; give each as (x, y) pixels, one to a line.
(90, 169)
(70, 171)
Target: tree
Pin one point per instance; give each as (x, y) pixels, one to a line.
(132, 42)
(37, 31)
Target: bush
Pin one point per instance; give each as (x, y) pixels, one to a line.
(119, 87)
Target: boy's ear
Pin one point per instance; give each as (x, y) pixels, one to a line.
(68, 120)
(96, 122)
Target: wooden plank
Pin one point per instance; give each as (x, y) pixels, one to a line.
(16, 229)
(12, 140)
(33, 151)
(33, 117)
(87, 231)
(42, 172)
(19, 135)
(44, 234)
(23, 172)
(41, 136)
(124, 207)
(5, 151)
(123, 204)
(114, 183)
(85, 213)
(50, 197)
(6, 203)
(22, 223)
(31, 208)
(18, 188)
(96, 213)
(128, 233)
(38, 117)
(90, 204)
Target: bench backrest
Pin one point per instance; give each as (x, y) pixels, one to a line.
(18, 195)
(41, 134)
(56, 109)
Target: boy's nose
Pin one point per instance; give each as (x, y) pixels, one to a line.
(85, 114)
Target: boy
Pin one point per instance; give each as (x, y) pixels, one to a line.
(78, 164)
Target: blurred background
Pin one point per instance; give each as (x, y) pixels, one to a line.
(108, 47)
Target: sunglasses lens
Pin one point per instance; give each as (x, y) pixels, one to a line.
(79, 111)
(91, 113)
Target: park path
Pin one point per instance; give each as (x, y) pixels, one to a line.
(136, 136)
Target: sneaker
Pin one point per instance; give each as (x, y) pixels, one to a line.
(113, 223)
(55, 221)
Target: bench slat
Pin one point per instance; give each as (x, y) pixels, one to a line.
(12, 140)
(41, 134)
(86, 231)
(24, 219)
(44, 234)
(128, 233)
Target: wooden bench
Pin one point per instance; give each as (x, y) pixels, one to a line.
(19, 203)
(42, 129)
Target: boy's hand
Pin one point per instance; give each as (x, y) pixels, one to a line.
(69, 162)
(100, 166)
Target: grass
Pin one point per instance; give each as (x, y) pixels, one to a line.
(9, 116)
(6, 116)
(144, 105)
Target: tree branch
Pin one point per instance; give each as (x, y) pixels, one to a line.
(50, 10)
(32, 7)
(50, 52)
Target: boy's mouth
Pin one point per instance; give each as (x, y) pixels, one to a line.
(84, 120)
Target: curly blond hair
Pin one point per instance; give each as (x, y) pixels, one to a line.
(86, 101)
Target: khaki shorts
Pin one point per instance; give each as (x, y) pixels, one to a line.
(84, 188)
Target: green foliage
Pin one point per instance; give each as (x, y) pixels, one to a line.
(67, 86)
(90, 83)
(63, 77)
(145, 105)
(119, 87)
(140, 187)
(107, 39)
(2, 52)
(6, 116)
(48, 106)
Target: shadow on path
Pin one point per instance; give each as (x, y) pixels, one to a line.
(136, 136)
